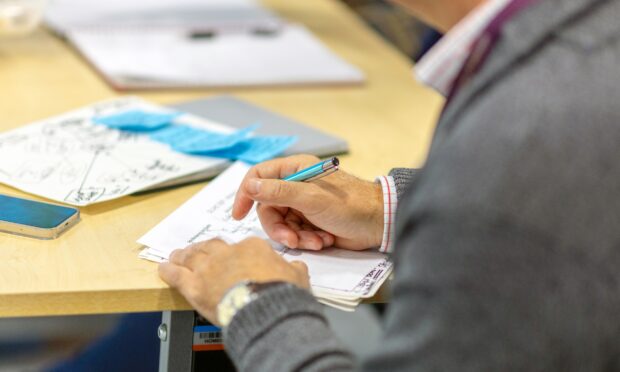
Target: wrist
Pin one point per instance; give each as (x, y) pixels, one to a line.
(241, 295)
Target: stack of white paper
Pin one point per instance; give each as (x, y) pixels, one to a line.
(339, 278)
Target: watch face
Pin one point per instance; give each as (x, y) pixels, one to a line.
(235, 299)
(239, 296)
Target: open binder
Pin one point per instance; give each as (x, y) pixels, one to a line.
(189, 43)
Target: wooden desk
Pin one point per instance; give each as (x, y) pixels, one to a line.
(94, 267)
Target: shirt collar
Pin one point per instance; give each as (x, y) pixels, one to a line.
(440, 67)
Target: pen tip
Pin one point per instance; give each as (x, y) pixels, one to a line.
(335, 161)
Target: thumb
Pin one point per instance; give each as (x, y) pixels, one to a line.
(304, 197)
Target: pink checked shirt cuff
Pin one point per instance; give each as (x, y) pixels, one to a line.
(390, 201)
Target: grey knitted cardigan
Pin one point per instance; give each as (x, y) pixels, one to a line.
(507, 254)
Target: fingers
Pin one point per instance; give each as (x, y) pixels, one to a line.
(304, 197)
(176, 276)
(242, 204)
(328, 239)
(310, 240)
(272, 220)
(195, 254)
(309, 236)
(273, 169)
(287, 228)
(184, 281)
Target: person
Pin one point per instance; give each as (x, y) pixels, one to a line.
(506, 242)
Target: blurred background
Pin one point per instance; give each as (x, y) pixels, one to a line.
(20, 17)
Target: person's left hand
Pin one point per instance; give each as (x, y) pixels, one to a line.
(204, 272)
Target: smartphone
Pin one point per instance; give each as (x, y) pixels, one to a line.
(35, 219)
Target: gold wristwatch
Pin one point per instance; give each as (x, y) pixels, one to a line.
(237, 297)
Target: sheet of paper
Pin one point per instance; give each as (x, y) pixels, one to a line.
(70, 159)
(207, 215)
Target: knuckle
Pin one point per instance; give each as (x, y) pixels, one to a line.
(172, 277)
(277, 190)
(195, 248)
(174, 256)
(253, 170)
(254, 241)
(312, 193)
(256, 244)
(202, 265)
(193, 293)
(316, 203)
(260, 208)
(265, 169)
(215, 242)
(189, 255)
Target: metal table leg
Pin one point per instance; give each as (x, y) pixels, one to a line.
(176, 335)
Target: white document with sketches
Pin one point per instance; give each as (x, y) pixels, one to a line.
(71, 160)
(338, 277)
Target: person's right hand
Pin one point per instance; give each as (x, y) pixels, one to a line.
(337, 210)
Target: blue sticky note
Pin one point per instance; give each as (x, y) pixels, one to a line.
(238, 145)
(204, 141)
(174, 134)
(137, 120)
(257, 149)
(191, 140)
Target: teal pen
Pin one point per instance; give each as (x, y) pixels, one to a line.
(315, 172)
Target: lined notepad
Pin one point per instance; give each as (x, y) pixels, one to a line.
(338, 277)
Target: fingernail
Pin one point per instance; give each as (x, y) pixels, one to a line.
(286, 243)
(254, 186)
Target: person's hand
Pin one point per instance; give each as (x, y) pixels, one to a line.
(204, 272)
(337, 210)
